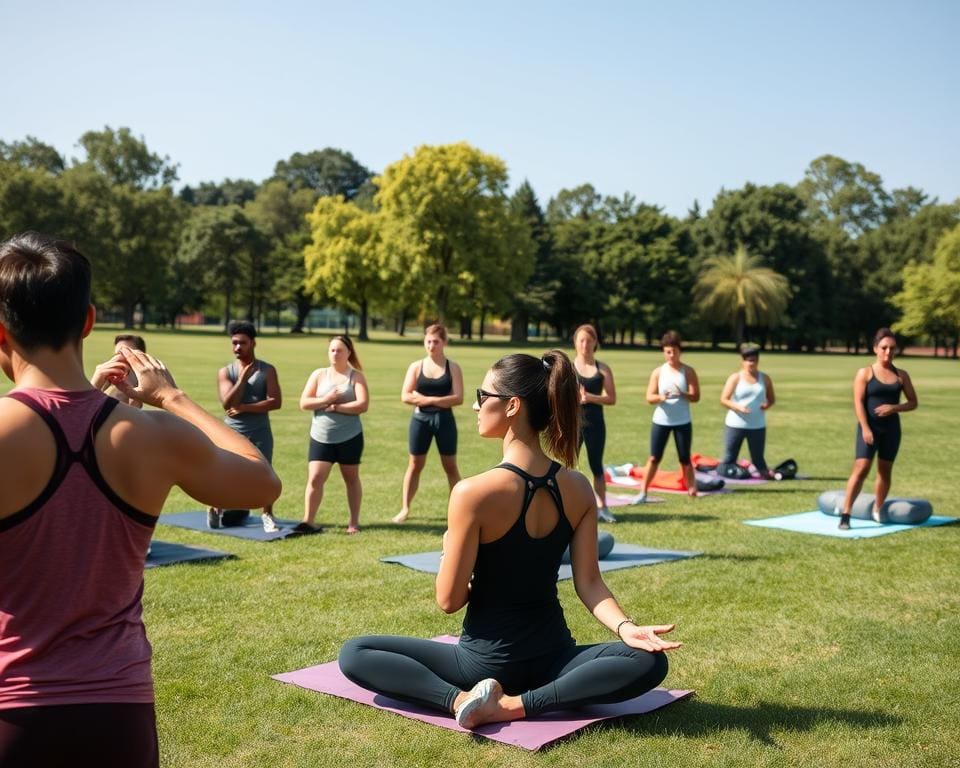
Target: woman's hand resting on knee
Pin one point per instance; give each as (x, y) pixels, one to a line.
(648, 638)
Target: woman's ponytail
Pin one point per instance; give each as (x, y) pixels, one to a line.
(563, 397)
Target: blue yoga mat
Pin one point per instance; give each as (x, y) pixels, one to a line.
(251, 529)
(826, 525)
(168, 553)
(622, 556)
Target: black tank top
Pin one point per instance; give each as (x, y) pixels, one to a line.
(878, 393)
(514, 613)
(594, 386)
(439, 387)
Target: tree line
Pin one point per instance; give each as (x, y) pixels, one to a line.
(439, 235)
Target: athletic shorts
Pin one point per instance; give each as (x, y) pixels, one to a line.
(347, 452)
(886, 441)
(107, 735)
(424, 426)
(682, 437)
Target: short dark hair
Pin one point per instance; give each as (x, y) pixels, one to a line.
(242, 327)
(671, 339)
(136, 341)
(44, 290)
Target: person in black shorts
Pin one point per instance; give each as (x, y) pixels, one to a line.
(877, 390)
(507, 531)
(596, 390)
(433, 386)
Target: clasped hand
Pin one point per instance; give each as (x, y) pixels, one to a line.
(154, 382)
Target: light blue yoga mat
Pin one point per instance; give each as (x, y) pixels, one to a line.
(251, 529)
(622, 556)
(826, 525)
(169, 553)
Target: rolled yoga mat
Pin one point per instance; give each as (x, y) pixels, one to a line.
(899, 511)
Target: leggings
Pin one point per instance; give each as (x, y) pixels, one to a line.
(756, 440)
(682, 437)
(104, 735)
(594, 434)
(431, 674)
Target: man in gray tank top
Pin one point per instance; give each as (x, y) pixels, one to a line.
(249, 389)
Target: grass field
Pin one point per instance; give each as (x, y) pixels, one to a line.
(803, 650)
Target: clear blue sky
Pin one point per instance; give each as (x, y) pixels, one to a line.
(670, 101)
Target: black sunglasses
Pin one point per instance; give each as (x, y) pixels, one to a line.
(483, 396)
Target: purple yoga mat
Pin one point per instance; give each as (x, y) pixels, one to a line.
(532, 734)
(619, 500)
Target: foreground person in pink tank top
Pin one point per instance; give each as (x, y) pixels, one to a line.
(84, 479)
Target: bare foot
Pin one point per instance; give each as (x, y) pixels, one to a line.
(401, 517)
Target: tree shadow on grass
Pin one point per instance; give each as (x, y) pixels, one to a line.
(695, 717)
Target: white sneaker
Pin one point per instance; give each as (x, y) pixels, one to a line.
(641, 499)
(269, 524)
(604, 514)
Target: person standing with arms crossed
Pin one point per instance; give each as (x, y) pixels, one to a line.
(249, 389)
(84, 479)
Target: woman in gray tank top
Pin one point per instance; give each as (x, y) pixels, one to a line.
(337, 396)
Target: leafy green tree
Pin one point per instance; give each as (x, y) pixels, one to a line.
(122, 158)
(32, 153)
(535, 300)
(448, 224)
(930, 299)
(31, 199)
(227, 192)
(327, 171)
(346, 256)
(281, 213)
(223, 245)
(738, 292)
(845, 193)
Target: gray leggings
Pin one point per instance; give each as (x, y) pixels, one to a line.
(756, 440)
(431, 674)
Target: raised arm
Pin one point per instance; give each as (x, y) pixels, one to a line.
(211, 462)
(231, 392)
(271, 402)
(460, 544)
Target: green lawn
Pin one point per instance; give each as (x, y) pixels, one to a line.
(803, 650)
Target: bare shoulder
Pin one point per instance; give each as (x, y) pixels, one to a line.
(358, 376)
(19, 424)
(575, 484)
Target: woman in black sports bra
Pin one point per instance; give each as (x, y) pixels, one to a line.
(433, 386)
(876, 399)
(507, 530)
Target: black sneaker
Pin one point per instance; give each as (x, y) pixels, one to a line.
(214, 518)
(844, 523)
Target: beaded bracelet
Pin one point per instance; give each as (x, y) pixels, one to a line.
(625, 621)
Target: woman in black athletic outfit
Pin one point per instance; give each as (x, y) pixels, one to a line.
(596, 390)
(507, 530)
(876, 400)
(433, 386)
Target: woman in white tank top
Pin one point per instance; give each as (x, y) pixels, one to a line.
(672, 387)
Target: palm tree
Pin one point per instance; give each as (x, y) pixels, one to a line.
(737, 291)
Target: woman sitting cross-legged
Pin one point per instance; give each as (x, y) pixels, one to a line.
(507, 531)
